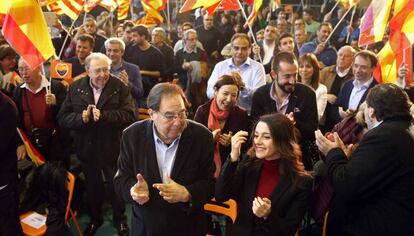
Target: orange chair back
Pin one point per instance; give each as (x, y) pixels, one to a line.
(228, 208)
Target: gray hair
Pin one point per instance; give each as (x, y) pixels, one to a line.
(96, 56)
(163, 90)
(161, 32)
(115, 40)
(188, 32)
(347, 47)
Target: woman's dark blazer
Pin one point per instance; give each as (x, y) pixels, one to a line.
(237, 120)
(239, 180)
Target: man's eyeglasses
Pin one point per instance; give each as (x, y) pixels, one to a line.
(105, 70)
(172, 116)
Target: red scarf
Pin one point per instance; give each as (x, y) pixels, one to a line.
(215, 116)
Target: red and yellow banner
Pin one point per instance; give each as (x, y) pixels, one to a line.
(28, 33)
(31, 151)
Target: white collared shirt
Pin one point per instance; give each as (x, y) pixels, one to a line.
(252, 73)
(268, 52)
(343, 73)
(43, 84)
(357, 93)
(165, 155)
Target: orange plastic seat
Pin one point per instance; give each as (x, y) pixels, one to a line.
(28, 230)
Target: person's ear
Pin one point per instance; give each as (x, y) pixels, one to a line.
(371, 113)
(273, 75)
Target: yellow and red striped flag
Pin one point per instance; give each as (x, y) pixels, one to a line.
(256, 6)
(194, 4)
(152, 17)
(110, 5)
(374, 22)
(28, 33)
(123, 9)
(31, 151)
(398, 48)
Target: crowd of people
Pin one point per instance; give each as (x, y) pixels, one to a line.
(267, 124)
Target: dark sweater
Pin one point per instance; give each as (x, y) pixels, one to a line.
(8, 124)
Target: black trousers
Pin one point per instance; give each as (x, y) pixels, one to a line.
(98, 182)
(9, 216)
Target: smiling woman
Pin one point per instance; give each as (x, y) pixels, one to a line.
(222, 116)
(270, 184)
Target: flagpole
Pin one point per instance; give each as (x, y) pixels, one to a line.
(168, 15)
(350, 25)
(333, 8)
(48, 87)
(67, 35)
(337, 24)
(250, 27)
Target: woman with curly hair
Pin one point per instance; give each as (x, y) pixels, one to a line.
(270, 185)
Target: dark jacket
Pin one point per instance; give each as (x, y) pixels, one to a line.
(288, 201)
(237, 120)
(302, 103)
(8, 145)
(374, 188)
(345, 94)
(57, 88)
(97, 143)
(193, 168)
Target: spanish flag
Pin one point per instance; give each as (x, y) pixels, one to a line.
(398, 49)
(374, 22)
(194, 4)
(256, 6)
(26, 31)
(33, 154)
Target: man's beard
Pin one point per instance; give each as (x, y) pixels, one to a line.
(287, 88)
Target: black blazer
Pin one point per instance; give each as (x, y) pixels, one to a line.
(237, 120)
(302, 103)
(193, 168)
(97, 143)
(374, 188)
(345, 94)
(289, 202)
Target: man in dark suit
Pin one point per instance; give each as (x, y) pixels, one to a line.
(374, 183)
(285, 96)
(166, 168)
(98, 107)
(354, 92)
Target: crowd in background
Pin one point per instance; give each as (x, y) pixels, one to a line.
(270, 122)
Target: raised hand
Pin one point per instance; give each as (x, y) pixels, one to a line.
(139, 192)
(236, 141)
(173, 192)
(261, 207)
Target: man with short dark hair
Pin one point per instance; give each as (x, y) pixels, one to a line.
(97, 108)
(84, 46)
(354, 92)
(286, 96)
(373, 183)
(320, 46)
(163, 171)
(149, 59)
(211, 38)
(252, 72)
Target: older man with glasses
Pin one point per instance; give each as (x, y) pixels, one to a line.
(98, 107)
(166, 168)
